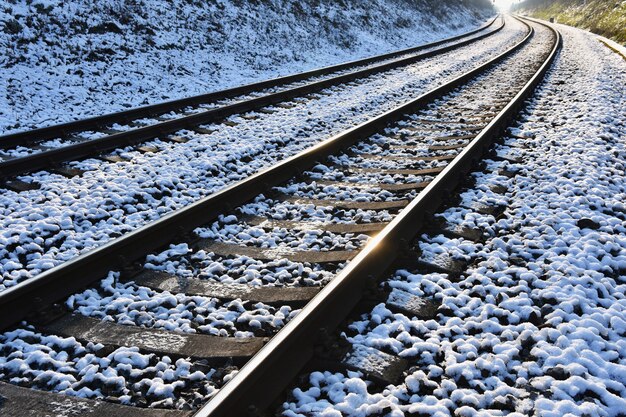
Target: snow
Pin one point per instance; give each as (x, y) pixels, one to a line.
(535, 326)
(70, 60)
(110, 200)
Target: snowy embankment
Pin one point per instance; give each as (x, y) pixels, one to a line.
(537, 324)
(68, 216)
(71, 60)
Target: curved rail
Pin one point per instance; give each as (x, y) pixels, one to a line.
(291, 347)
(50, 158)
(289, 350)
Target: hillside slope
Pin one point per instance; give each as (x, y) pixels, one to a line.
(71, 59)
(604, 17)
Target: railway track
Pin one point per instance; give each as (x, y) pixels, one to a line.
(110, 199)
(51, 147)
(313, 231)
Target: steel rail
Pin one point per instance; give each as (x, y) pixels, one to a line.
(270, 371)
(60, 130)
(50, 158)
(82, 271)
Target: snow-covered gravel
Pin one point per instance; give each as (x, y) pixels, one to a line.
(66, 60)
(283, 87)
(46, 227)
(22, 151)
(537, 323)
(140, 306)
(129, 304)
(209, 105)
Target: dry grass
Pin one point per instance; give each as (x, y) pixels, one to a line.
(604, 17)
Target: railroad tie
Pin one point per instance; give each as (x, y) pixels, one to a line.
(501, 101)
(163, 342)
(519, 145)
(472, 128)
(271, 254)
(426, 171)
(113, 158)
(509, 172)
(512, 133)
(447, 147)
(501, 188)
(285, 105)
(441, 263)
(164, 118)
(19, 185)
(438, 225)
(411, 305)
(463, 128)
(342, 204)
(267, 110)
(67, 171)
(426, 147)
(112, 131)
(509, 157)
(27, 402)
(376, 365)
(38, 147)
(498, 189)
(452, 137)
(341, 228)
(460, 120)
(380, 185)
(147, 149)
(424, 144)
(176, 139)
(367, 156)
(414, 129)
(203, 130)
(162, 281)
(486, 209)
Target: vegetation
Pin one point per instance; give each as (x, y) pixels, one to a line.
(604, 17)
